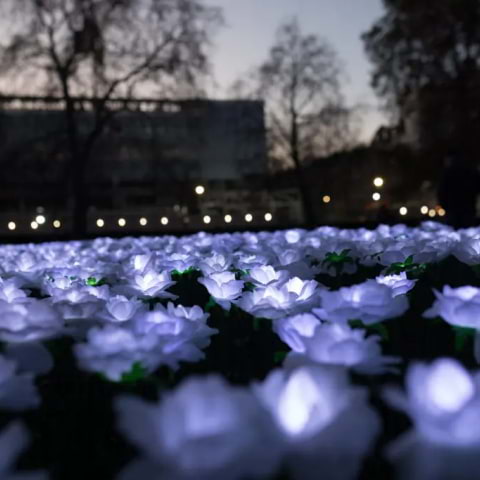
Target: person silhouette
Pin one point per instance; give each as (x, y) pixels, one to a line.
(458, 189)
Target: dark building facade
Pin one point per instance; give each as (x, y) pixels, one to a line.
(148, 148)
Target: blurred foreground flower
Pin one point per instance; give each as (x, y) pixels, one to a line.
(325, 424)
(443, 401)
(203, 430)
(13, 439)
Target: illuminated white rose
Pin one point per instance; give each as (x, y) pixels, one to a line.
(17, 390)
(468, 250)
(457, 306)
(30, 320)
(204, 429)
(443, 401)
(13, 439)
(122, 309)
(400, 284)
(369, 302)
(276, 301)
(266, 275)
(338, 344)
(293, 330)
(11, 291)
(215, 263)
(223, 287)
(325, 423)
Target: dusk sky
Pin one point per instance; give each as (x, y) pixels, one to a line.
(250, 31)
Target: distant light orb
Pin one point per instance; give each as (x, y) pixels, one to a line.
(100, 222)
(248, 217)
(40, 210)
(143, 221)
(403, 211)
(12, 225)
(441, 212)
(34, 225)
(122, 222)
(424, 210)
(207, 219)
(376, 197)
(378, 181)
(228, 218)
(57, 224)
(199, 189)
(164, 221)
(268, 217)
(40, 219)
(327, 199)
(432, 213)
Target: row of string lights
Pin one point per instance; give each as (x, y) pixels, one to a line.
(143, 221)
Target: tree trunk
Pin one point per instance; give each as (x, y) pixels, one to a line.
(301, 180)
(77, 191)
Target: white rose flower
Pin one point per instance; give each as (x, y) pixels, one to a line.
(204, 429)
(369, 302)
(223, 287)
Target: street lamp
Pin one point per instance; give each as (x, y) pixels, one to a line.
(378, 182)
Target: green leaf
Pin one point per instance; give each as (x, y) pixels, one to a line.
(462, 335)
(356, 324)
(136, 373)
(93, 282)
(279, 357)
(210, 304)
(381, 329)
(180, 273)
(378, 328)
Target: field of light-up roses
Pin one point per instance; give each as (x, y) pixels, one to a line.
(324, 354)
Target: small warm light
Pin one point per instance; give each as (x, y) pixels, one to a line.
(100, 222)
(57, 224)
(228, 218)
(143, 221)
(326, 199)
(424, 210)
(164, 221)
(122, 222)
(268, 217)
(207, 219)
(40, 219)
(403, 210)
(378, 181)
(248, 217)
(441, 212)
(34, 225)
(376, 196)
(199, 189)
(432, 212)
(11, 226)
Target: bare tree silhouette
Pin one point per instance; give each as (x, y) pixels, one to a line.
(102, 50)
(306, 114)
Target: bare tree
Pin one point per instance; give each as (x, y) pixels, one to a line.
(102, 50)
(306, 113)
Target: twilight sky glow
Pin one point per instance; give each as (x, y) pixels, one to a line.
(250, 31)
